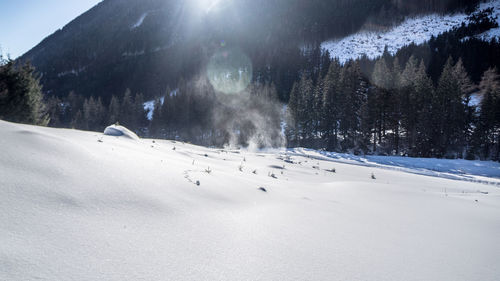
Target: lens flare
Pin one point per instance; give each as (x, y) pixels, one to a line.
(229, 71)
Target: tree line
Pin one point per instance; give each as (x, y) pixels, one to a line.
(397, 110)
(193, 112)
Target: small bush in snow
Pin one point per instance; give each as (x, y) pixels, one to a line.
(208, 170)
(332, 170)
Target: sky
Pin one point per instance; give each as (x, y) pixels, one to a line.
(24, 23)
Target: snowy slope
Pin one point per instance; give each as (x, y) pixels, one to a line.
(416, 30)
(494, 32)
(84, 206)
(476, 171)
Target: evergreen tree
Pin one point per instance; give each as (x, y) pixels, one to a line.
(317, 108)
(55, 111)
(127, 111)
(420, 142)
(386, 113)
(408, 100)
(114, 113)
(353, 94)
(21, 98)
(450, 113)
(466, 88)
(294, 105)
(331, 105)
(306, 116)
(487, 135)
(94, 115)
(140, 114)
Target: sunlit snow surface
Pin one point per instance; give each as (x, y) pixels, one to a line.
(416, 30)
(84, 206)
(459, 169)
(495, 32)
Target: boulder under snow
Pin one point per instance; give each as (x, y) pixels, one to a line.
(120, 131)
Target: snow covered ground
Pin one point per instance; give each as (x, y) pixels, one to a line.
(487, 172)
(494, 32)
(416, 30)
(86, 206)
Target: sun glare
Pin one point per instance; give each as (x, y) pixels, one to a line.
(207, 5)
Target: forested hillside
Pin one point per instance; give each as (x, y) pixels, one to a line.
(437, 99)
(148, 45)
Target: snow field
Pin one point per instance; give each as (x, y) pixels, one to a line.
(85, 206)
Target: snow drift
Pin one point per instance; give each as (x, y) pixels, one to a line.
(120, 131)
(76, 208)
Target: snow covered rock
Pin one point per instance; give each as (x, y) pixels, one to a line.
(120, 131)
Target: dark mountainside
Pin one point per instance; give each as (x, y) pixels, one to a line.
(437, 99)
(147, 45)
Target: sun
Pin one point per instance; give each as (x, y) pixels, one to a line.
(207, 5)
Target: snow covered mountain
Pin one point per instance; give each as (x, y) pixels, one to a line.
(414, 30)
(146, 46)
(86, 206)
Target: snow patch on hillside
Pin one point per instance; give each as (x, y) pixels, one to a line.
(149, 107)
(140, 21)
(494, 32)
(134, 54)
(75, 72)
(416, 30)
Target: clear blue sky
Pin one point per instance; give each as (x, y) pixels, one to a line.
(24, 23)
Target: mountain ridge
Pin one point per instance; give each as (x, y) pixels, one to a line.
(105, 51)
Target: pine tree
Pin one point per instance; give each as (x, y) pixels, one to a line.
(450, 113)
(466, 88)
(353, 94)
(487, 135)
(331, 105)
(306, 116)
(408, 100)
(386, 113)
(114, 114)
(420, 141)
(317, 108)
(55, 111)
(127, 111)
(21, 98)
(140, 116)
(294, 104)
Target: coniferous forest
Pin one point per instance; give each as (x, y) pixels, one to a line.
(439, 99)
